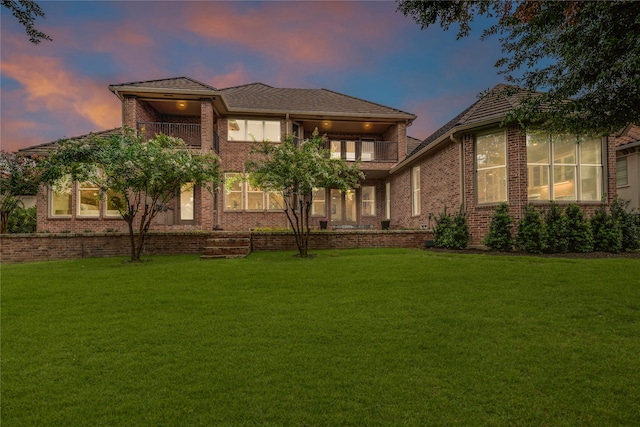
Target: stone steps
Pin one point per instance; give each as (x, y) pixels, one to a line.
(227, 245)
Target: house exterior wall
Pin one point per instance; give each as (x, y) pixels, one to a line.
(631, 190)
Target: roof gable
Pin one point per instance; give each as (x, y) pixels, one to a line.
(174, 83)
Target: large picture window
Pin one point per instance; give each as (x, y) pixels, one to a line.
(491, 168)
(233, 192)
(560, 167)
(250, 130)
(415, 191)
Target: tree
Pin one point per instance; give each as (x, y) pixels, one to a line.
(296, 171)
(583, 55)
(27, 11)
(141, 176)
(19, 177)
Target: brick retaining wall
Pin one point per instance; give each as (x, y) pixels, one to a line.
(48, 247)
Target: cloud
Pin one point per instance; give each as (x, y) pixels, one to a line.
(50, 95)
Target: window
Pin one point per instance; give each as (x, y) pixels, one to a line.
(368, 201)
(318, 206)
(415, 191)
(621, 172)
(367, 151)
(250, 130)
(113, 201)
(88, 204)
(255, 198)
(276, 201)
(560, 168)
(60, 199)
(187, 193)
(233, 192)
(491, 168)
(336, 149)
(387, 201)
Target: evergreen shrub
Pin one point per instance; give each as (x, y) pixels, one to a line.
(531, 236)
(500, 237)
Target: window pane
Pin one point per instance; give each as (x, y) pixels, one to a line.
(564, 149)
(621, 171)
(387, 200)
(350, 206)
(186, 201)
(368, 201)
(491, 150)
(88, 200)
(255, 198)
(538, 188)
(368, 151)
(350, 147)
(538, 148)
(113, 202)
(415, 191)
(590, 183)
(237, 130)
(492, 185)
(319, 202)
(255, 130)
(272, 131)
(564, 182)
(336, 147)
(336, 205)
(591, 152)
(233, 192)
(61, 200)
(276, 201)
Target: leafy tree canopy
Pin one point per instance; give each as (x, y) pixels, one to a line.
(584, 56)
(143, 176)
(295, 171)
(27, 11)
(19, 177)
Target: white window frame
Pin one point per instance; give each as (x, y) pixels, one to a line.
(65, 190)
(110, 212)
(319, 204)
(368, 204)
(415, 191)
(187, 202)
(87, 213)
(387, 201)
(228, 191)
(502, 167)
(243, 124)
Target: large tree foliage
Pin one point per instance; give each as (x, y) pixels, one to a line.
(19, 177)
(142, 176)
(27, 11)
(295, 171)
(584, 56)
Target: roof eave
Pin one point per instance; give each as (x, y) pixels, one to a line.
(119, 91)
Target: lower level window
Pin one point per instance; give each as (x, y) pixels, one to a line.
(187, 193)
(88, 200)
(114, 203)
(60, 199)
(318, 207)
(368, 201)
(491, 167)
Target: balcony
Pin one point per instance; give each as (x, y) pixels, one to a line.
(190, 133)
(365, 151)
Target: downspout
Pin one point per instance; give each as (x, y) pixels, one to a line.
(458, 141)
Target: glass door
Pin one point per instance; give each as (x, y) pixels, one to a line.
(343, 208)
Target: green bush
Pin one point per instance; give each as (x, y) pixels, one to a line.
(500, 237)
(607, 234)
(531, 235)
(556, 229)
(451, 232)
(22, 220)
(579, 237)
(629, 226)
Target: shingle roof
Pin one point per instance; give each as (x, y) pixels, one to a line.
(261, 97)
(631, 135)
(492, 106)
(177, 83)
(43, 149)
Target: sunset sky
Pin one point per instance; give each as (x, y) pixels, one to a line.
(361, 48)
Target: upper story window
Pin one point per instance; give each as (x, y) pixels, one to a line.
(254, 130)
(491, 167)
(560, 167)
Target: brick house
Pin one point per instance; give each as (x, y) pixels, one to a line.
(628, 165)
(471, 162)
(226, 121)
(475, 163)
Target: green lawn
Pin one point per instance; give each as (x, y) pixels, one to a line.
(352, 337)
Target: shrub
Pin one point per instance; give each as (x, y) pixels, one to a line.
(451, 232)
(22, 220)
(579, 238)
(531, 235)
(607, 235)
(500, 236)
(628, 224)
(556, 229)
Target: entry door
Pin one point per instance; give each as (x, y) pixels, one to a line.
(343, 207)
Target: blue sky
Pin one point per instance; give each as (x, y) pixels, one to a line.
(361, 48)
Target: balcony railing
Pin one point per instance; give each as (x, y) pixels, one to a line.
(188, 132)
(365, 151)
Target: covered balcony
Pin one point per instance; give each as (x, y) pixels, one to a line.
(190, 133)
(363, 150)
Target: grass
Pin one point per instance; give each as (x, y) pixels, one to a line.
(352, 337)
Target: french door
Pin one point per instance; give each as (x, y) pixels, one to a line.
(343, 207)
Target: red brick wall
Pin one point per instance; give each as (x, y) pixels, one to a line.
(47, 247)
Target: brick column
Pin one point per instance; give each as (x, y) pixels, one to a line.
(206, 124)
